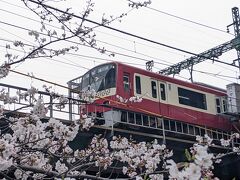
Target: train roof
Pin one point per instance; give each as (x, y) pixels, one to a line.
(196, 85)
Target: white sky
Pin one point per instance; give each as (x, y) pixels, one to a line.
(143, 22)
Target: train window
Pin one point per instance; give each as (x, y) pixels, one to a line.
(124, 116)
(191, 130)
(110, 78)
(166, 124)
(154, 89)
(225, 136)
(138, 84)
(138, 119)
(214, 135)
(192, 98)
(224, 104)
(159, 122)
(126, 84)
(220, 135)
(145, 120)
(163, 92)
(172, 126)
(152, 122)
(197, 131)
(131, 118)
(218, 105)
(185, 128)
(203, 132)
(209, 133)
(179, 127)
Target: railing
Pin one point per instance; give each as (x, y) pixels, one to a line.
(68, 112)
(170, 126)
(71, 111)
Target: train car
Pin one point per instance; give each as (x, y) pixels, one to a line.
(181, 104)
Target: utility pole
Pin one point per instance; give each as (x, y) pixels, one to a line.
(213, 53)
(236, 26)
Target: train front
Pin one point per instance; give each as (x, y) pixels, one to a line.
(97, 87)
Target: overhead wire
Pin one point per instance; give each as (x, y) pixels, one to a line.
(218, 76)
(78, 54)
(47, 58)
(7, 2)
(121, 54)
(126, 33)
(175, 16)
(95, 30)
(155, 59)
(169, 64)
(188, 20)
(114, 29)
(72, 54)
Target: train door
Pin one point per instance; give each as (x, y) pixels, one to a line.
(163, 98)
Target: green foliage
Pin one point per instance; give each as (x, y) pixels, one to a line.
(188, 155)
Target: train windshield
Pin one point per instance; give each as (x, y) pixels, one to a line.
(99, 78)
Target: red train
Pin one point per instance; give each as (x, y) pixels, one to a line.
(174, 100)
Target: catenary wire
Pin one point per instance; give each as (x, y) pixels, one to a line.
(142, 59)
(120, 54)
(72, 54)
(132, 51)
(117, 30)
(175, 16)
(85, 19)
(96, 31)
(187, 20)
(203, 72)
(80, 55)
(126, 33)
(106, 42)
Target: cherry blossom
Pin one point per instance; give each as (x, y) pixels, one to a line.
(133, 99)
(39, 109)
(4, 70)
(37, 147)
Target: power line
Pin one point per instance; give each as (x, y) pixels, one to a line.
(114, 29)
(113, 52)
(72, 54)
(76, 65)
(72, 63)
(187, 20)
(13, 4)
(101, 41)
(83, 55)
(217, 76)
(125, 32)
(86, 56)
(139, 54)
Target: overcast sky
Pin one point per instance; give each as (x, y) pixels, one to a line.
(162, 22)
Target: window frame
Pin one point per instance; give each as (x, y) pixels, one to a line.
(192, 98)
(154, 91)
(163, 93)
(126, 84)
(218, 105)
(138, 84)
